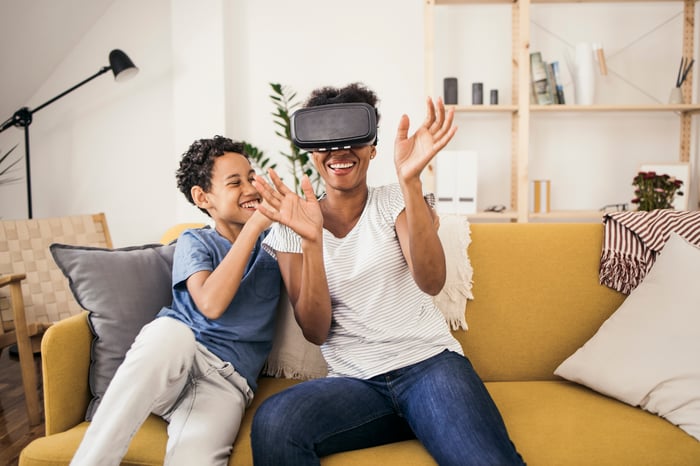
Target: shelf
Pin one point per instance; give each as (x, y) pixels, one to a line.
(522, 113)
(508, 2)
(595, 215)
(679, 108)
(484, 108)
(511, 215)
(505, 215)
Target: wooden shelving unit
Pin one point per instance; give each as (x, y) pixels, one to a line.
(520, 107)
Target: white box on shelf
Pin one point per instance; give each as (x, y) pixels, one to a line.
(455, 181)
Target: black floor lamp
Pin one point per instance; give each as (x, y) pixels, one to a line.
(123, 69)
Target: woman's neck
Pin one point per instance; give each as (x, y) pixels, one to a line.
(342, 210)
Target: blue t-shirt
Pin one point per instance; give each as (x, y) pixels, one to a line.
(243, 334)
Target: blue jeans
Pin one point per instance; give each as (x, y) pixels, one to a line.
(440, 401)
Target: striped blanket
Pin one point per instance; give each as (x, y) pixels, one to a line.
(633, 240)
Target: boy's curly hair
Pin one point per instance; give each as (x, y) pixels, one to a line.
(355, 92)
(197, 163)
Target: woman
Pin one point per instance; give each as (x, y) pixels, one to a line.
(360, 266)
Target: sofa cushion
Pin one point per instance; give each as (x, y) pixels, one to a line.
(550, 422)
(147, 447)
(123, 289)
(536, 297)
(646, 353)
(563, 423)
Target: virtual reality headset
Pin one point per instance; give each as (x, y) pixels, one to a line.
(334, 126)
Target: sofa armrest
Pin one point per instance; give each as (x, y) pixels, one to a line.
(65, 355)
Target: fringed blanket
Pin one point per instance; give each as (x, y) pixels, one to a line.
(455, 237)
(634, 239)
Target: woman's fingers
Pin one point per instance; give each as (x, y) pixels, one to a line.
(442, 141)
(277, 181)
(439, 120)
(268, 194)
(307, 188)
(446, 127)
(429, 114)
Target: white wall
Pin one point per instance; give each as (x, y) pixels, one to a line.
(310, 43)
(205, 69)
(107, 147)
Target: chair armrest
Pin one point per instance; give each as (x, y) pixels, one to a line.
(65, 356)
(11, 278)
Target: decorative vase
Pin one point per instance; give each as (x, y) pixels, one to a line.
(584, 74)
(676, 96)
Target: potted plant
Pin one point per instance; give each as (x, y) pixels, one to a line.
(654, 191)
(260, 162)
(6, 167)
(300, 163)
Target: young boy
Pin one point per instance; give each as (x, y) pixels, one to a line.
(196, 364)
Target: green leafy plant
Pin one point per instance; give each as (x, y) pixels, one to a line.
(655, 191)
(6, 167)
(300, 163)
(257, 157)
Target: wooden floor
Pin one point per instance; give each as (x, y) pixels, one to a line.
(15, 432)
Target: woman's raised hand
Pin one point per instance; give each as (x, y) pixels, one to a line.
(412, 154)
(303, 215)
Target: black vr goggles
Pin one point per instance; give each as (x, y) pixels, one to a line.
(334, 126)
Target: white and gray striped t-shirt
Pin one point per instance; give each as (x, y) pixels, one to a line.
(381, 319)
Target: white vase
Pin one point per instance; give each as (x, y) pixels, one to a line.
(676, 96)
(584, 74)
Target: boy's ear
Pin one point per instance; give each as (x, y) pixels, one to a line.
(199, 197)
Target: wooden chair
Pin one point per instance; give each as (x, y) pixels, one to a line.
(33, 291)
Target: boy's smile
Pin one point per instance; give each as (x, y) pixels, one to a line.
(232, 199)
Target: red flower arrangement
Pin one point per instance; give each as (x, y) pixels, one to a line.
(655, 191)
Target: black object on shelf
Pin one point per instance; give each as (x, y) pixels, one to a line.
(477, 93)
(450, 95)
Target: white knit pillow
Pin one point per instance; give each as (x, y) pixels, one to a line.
(647, 353)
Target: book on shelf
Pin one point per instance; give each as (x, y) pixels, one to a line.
(558, 85)
(551, 86)
(540, 84)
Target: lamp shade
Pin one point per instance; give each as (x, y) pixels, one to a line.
(121, 65)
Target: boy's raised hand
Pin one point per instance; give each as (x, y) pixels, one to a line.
(262, 221)
(303, 215)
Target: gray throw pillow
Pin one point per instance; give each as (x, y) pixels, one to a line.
(123, 289)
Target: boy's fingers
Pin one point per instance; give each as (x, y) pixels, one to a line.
(269, 213)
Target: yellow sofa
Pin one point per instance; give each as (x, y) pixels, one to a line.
(537, 299)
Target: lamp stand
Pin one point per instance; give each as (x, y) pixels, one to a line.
(23, 118)
(122, 67)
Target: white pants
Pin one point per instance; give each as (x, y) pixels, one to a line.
(166, 372)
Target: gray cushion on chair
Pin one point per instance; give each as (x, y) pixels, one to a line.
(123, 289)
